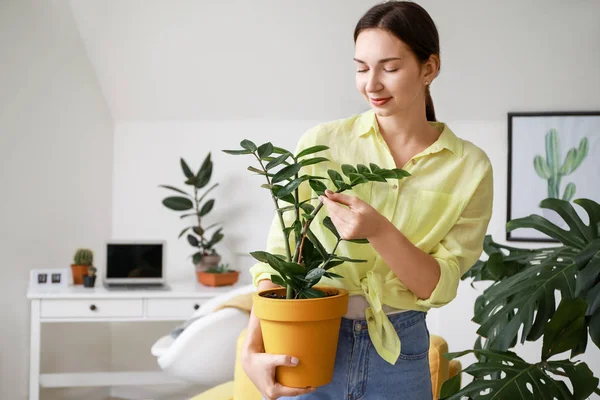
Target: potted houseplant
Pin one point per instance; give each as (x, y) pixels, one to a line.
(196, 207)
(301, 319)
(521, 298)
(220, 275)
(82, 259)
(89, 280)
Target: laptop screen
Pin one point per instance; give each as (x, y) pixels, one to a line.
(134, 260)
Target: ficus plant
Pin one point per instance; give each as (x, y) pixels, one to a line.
(522, 299)
(303, 266)
(197, 233)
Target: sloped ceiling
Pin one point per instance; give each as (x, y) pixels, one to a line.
(226, 59)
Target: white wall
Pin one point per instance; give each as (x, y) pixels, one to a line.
(56, 136)
(496, 58)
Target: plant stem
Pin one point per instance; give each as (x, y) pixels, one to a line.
(202, 239)
(300, 244)
(279, 213)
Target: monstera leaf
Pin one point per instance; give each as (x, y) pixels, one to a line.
(526, 280)
(519, 379)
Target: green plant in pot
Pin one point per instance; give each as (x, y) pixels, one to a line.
(82, 260)
(302, 319)
(194, 205)
(89, 280)
(220, 275)
(522, 298)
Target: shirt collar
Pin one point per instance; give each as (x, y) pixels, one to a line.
(367, 124)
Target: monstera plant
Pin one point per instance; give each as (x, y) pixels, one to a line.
(522, 299)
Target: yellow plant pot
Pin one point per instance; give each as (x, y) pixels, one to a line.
(307, 329)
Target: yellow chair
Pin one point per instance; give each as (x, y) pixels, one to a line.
(241, 388)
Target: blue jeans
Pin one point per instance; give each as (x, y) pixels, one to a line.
(361, 374)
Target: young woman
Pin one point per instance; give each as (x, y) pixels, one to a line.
(424, 231)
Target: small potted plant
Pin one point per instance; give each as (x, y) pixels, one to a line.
(89, 280)
(206, 256)
(220, 275)
(301, 319)
(81, 261)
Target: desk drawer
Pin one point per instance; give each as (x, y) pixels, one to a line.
(173, 308)
(91, 308)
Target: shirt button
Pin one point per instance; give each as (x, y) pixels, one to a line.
(395, 187)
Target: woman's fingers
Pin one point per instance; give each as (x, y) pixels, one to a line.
(284, 391)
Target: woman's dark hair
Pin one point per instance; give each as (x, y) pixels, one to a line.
(410, 23)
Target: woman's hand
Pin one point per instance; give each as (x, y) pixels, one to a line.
(358, 221)
(260, 368)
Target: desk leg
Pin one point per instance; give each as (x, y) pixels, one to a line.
(34, 351)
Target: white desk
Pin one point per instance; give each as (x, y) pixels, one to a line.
(79, 304)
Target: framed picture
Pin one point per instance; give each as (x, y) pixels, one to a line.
(49, 277)
(551, 154)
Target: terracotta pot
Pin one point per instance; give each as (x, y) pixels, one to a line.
(215, 279)
(307, 329)
(78, 272)
(207, 262)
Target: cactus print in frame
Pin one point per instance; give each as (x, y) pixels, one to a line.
(551, 154)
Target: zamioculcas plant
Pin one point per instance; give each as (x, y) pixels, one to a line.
(304, 265)
(301, 319)
(522, 299)
(197, 233)
(551, 168)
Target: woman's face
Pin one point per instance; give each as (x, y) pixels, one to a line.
(388, 74)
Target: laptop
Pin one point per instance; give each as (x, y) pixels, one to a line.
(135, 265)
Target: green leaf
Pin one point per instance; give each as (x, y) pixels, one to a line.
(356, 179)
(311, 161)
(204, 173)
(593, 211)
(175, 189)
(375, 177)
(276, 279)
(289, 188)
(186, 169)
(237, 152)
(318, 186)
(332, 264)
(192, 240)
(286, 173)
(216, 238)
(336, 178)
(265, 150)
(348, 169)
(184, 231)
(258, 171)
(248, 145)
(311, 150)
(332, 275)
(507, 376)
(328, 223)
(277, 161)
(178, 203)
(359, 241)
(197, 257)
(346, 259)
(260, 256)
(207, 207)
(198, 230)
(563, 332)
(315, 274)
(308, 208)
(317, 244)
(374, 167)
(595, 328)
(279, 150)
(450, 386)
(363, 169)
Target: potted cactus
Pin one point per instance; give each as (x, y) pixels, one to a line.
(82, 260)
(89, 280)
(194, 206)
(219, 275)
(301, 319)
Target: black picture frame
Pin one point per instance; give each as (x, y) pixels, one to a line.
(511, 116)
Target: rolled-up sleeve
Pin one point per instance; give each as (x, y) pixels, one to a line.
(275, 238)
(460, 249)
